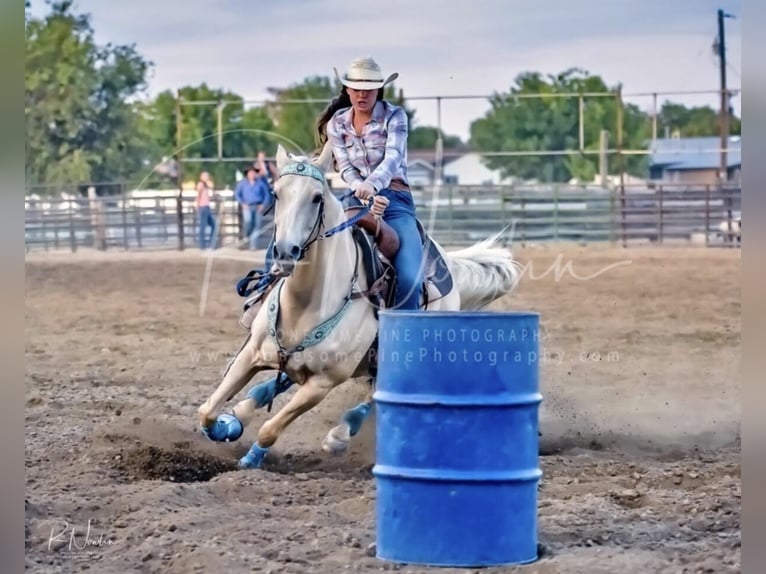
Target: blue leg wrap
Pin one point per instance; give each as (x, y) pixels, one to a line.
(226, 428)
(355, 417)
(266, 391)
(254, 457)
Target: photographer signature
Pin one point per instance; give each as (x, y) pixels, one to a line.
(75, 539)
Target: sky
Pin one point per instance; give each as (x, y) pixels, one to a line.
(438, 48)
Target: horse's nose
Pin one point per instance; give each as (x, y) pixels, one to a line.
(286, 251)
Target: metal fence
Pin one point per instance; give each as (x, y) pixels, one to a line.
(455, 215)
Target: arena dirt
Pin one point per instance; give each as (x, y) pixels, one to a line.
(640, 421)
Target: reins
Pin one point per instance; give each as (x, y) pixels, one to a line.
(321, 331)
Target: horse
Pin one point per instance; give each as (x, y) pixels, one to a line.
(318, 325)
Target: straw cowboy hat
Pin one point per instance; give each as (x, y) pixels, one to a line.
(364, 74)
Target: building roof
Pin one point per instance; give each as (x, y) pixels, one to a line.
(695, 153)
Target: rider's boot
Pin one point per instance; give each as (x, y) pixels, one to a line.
(255, 301)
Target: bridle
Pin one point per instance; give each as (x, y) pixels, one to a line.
(305, 169)
(320, 332)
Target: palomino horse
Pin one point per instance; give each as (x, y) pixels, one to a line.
(317, 325)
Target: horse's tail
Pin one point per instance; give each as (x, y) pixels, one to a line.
(483, 272)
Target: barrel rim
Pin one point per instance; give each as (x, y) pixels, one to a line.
(385, 556)
(471, 400)
(459, 314)
(394, 473)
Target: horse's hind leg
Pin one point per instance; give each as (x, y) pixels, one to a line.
(238, 373)
(306, 397)
(338, 438)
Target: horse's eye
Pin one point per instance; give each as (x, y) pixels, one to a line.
(317, 199)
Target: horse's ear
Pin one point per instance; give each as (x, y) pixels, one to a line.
(282, 158)
(324, 161)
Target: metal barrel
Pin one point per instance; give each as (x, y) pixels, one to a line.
(456, 415)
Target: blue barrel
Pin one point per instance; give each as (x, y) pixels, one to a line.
(456, 408)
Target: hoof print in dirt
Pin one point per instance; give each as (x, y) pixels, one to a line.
(180, 464)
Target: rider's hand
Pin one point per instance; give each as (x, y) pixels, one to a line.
(379, 204)
(365, 191)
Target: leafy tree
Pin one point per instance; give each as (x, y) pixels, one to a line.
(551, 123)
(296, 121)
(288, 120)
(693, 122)
(80, 122)
(244, 132)
(424, 137)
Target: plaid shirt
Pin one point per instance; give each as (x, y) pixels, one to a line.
(379, 155)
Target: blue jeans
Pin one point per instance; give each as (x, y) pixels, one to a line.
(206, 220)
(409, 260)
(252, 220)
(248, 219)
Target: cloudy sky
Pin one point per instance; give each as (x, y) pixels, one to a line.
(438, 48)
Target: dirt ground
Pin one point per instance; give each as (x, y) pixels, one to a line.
(640, 448)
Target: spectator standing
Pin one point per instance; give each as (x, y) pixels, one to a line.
(252, 193)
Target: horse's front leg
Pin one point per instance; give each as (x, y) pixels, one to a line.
(259, 396)
(226, 427)
(338, 438)
(308, 395)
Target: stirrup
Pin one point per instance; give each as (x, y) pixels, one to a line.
(253, 303)
(251, 311)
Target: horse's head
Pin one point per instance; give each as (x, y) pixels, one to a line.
(301, 193)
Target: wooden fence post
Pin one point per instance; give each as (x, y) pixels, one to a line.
(126, 241)
(180, 219)
(707, 215)
(72, 236)
(660, 223)
(556, 213)
(97, 219)
(137, 223)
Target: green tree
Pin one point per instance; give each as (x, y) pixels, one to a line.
(693, 122)
(297, 107)
(80, 121)
(551, 123)
(294, 117)
(244, 132)
(424, 137)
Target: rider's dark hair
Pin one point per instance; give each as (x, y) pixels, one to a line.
(339, 102)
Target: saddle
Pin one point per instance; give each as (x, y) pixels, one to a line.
(378, 243)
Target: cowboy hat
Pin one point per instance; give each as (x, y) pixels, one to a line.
(364, 74)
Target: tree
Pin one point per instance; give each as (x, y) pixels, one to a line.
(295, 120)
(290, 120)
(424, 137)
(551, 123)
(80, 121)
(244, 132)
(693, 122)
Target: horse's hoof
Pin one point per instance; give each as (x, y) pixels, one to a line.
(337, 440)
(226, 428)
(254, 457)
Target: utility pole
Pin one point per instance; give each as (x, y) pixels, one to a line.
(724, 112)
(724, 119)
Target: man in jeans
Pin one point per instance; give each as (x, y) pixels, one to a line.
(252, 193)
